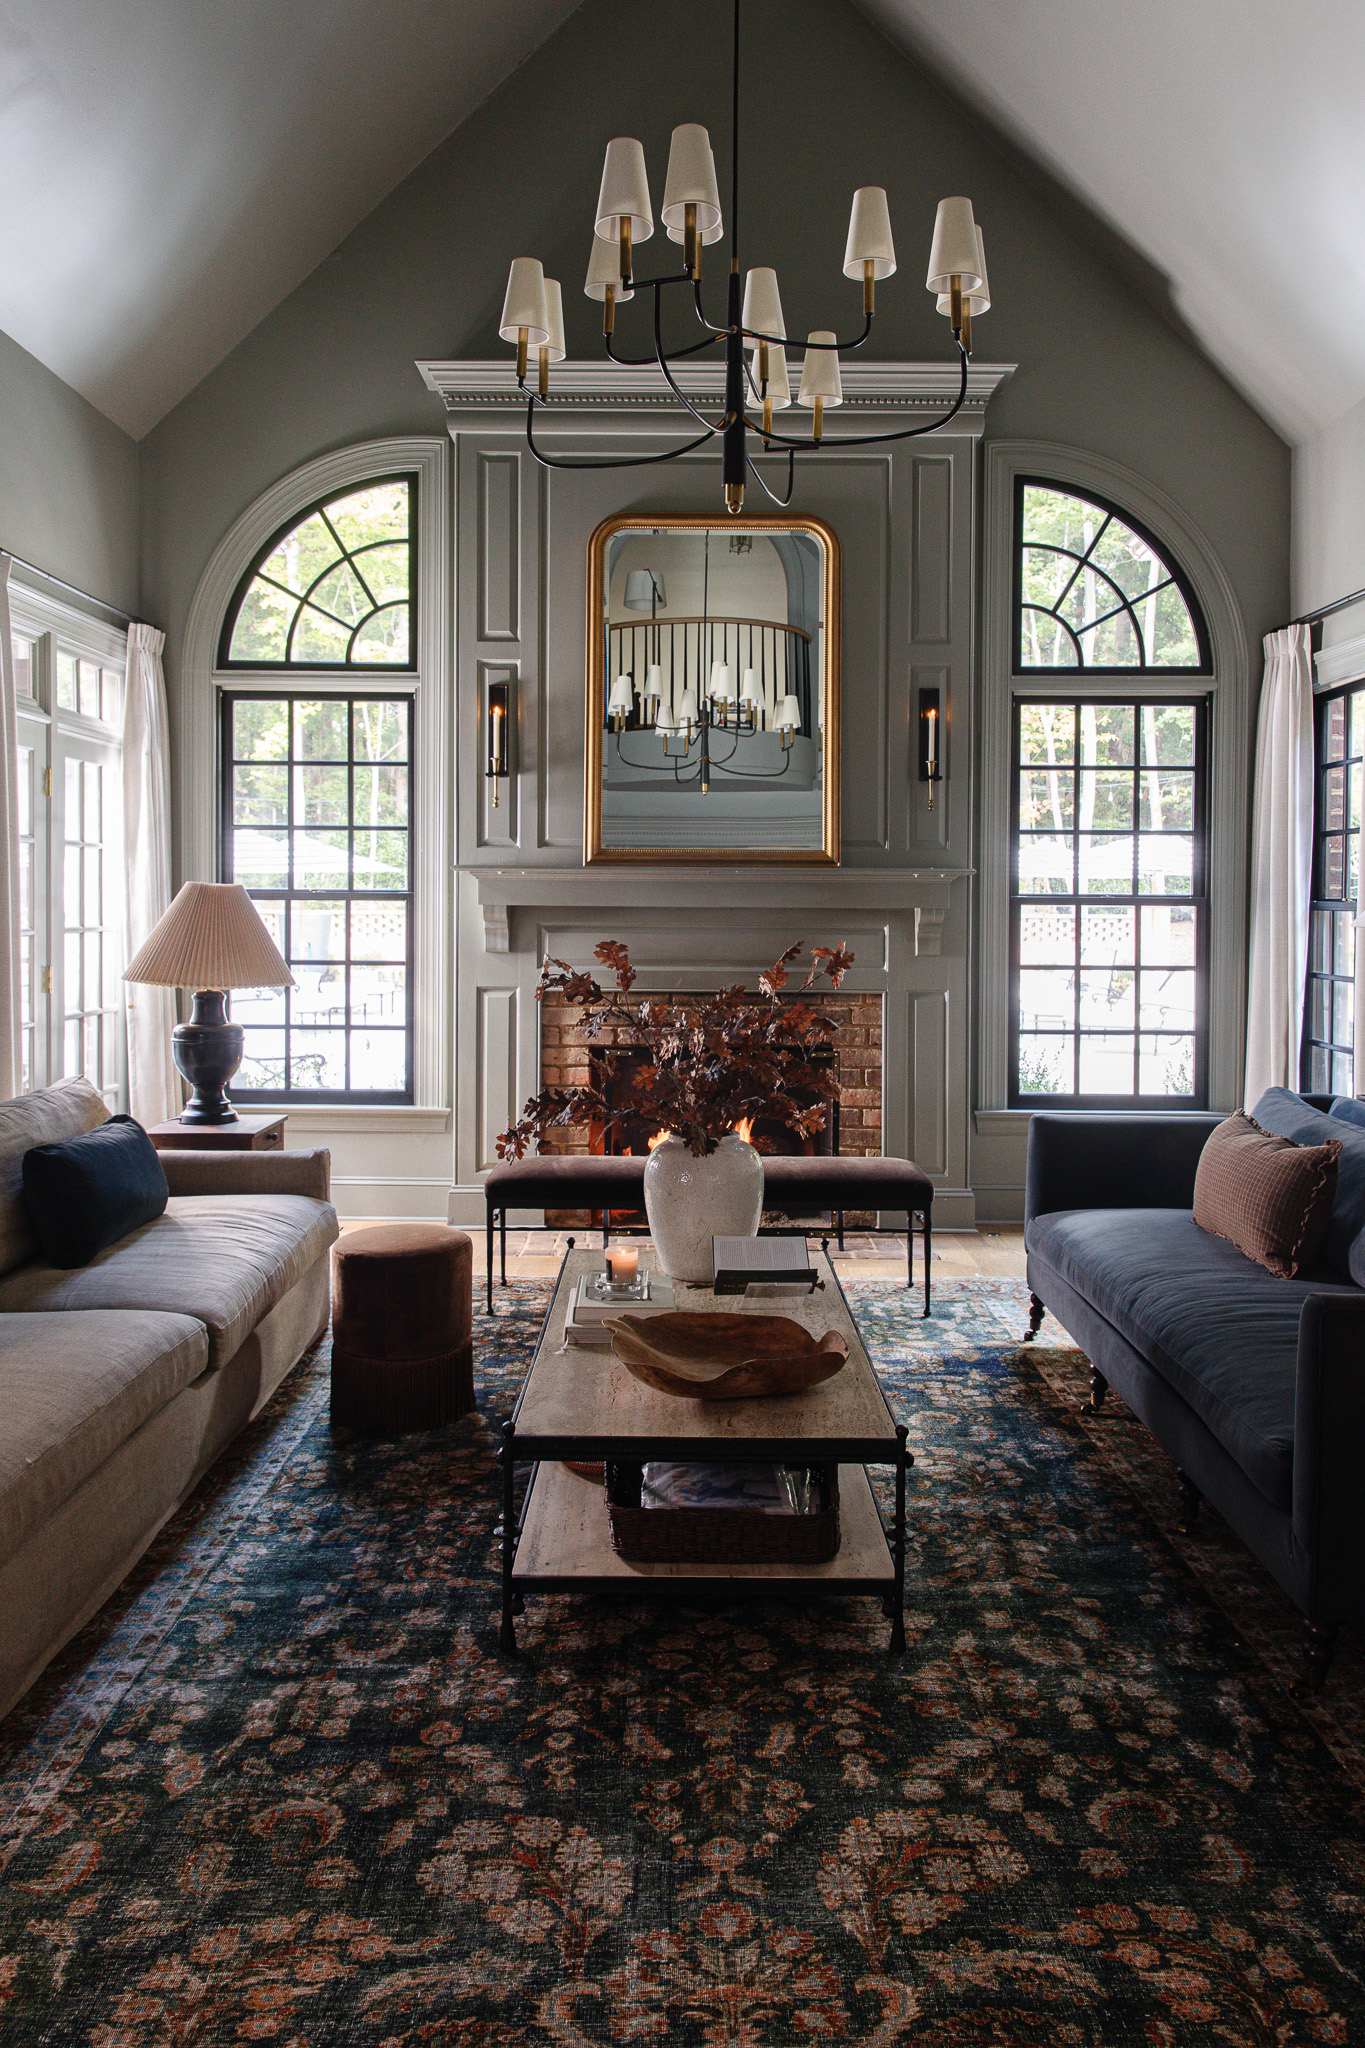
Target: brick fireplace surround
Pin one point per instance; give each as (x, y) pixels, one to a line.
(564, 1054)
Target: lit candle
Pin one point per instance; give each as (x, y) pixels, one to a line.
(932, 746)
(623, 1263)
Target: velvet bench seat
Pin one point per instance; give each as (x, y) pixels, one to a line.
(791, 1187)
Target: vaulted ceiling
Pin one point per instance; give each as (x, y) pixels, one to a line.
(172, 168)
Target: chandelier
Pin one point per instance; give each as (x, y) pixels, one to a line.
(757, 383)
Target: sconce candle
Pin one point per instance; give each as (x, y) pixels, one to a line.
(499, 699)
(930, 711)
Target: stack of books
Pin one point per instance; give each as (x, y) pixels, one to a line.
(589, 1307)
(762, 1268)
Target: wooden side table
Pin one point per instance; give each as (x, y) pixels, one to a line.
(248, 1134)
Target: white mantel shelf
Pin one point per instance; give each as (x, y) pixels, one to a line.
(926, 890)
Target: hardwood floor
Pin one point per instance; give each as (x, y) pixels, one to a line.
(991, 1253)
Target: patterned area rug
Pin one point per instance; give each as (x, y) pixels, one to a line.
(289, 1790)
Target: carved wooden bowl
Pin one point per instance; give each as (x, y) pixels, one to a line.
(715, 1356)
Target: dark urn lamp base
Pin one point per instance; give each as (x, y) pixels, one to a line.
(208, 1052)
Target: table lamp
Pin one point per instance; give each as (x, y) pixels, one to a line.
(210, 940)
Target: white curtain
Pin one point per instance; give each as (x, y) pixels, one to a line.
(1281, 863)
(153, 1085)
(11, 1055)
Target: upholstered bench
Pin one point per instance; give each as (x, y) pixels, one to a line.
(791, 1187)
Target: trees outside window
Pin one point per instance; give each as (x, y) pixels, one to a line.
(1328, 1063)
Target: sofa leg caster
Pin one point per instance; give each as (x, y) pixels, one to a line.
(1190, 1497)
(1320, 1641)
(1099, 1387)
(1036, 1311)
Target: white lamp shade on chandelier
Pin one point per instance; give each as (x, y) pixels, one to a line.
(788, 715)
(642, 587)
(604, 270)
(978, 300)
(621, 702)
(624, 193)
(554, 321)
(654, 684)
(953, 252)
(524, 305)
(722, 682)
(779, 378)
(762, 307)
(691, 181)
(749, 692)
(869, 235)
(687, 707)
(820, 376)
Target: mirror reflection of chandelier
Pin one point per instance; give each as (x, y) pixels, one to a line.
(757, 383)
(724, 675)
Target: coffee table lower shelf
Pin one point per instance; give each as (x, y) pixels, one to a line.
(564, 1546)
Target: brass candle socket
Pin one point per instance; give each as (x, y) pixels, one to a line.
(625, 249)
(869, 287)
(609, 311)
(691, 247)
(545, 371)
(955, 305)
(523, 345)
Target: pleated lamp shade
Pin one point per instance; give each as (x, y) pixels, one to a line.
(211, 937)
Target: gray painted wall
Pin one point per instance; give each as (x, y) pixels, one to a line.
(831, 105)
(1329, 523)
(68, 482)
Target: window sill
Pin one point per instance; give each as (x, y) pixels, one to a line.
(354, 1117)
(1015, 1119)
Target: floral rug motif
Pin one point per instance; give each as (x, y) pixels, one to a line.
(288, 1789)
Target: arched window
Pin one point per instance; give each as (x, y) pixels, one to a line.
(1094, 592)
(336, 588)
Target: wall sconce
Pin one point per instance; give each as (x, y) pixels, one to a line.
(930, 740)
(499, 714)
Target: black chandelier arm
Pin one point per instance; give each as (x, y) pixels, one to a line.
(648, 362)
(696, 297)
(813, 447)
(672, 382)
(613, 462)
(828, 347)
(766, 487)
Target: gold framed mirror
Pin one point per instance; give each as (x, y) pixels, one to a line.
(712, 721)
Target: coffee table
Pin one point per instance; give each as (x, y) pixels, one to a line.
(580, 1402)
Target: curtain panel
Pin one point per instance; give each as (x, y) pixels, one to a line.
(11, 1022)
(1281, 864)
(154, 1092)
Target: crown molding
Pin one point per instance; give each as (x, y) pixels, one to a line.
(868, 387)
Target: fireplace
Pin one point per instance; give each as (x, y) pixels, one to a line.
(853, 1126)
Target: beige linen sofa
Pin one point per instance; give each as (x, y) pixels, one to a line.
(122, 1381)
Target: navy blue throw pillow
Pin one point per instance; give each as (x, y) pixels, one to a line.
(88, 1192)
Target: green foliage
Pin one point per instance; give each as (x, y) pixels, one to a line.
(345, 567)
(1095, 594)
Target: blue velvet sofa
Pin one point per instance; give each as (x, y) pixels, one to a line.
(1255, 1385)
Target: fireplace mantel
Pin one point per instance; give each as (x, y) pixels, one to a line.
(927, 891)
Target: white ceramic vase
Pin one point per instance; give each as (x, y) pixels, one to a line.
(689, 1201)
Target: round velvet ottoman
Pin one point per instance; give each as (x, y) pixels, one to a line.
(402, 1323)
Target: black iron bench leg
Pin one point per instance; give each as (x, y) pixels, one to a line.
(928, 1259)
(503, 1245)
(489, 1236)
(839, 1226)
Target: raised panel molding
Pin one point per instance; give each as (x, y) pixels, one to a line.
(496, 1059)
(499, 564)
(931, 554)
(500, 826)
(929, 1076)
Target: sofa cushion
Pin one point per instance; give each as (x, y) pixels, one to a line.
(44, 1118)
(72, 1389)
(225, 1259)
(1348, 1109)
(1268, 1195)
(87, 1192)
(1280, 1110)
(1220, 1330)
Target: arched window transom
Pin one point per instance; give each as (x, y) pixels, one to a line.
(336, 588)
(1092, 591)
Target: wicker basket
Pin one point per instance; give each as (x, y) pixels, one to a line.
(719, 1535)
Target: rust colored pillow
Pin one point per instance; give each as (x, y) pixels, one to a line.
(1269, 1196)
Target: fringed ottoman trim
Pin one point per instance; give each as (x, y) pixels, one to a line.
(388, 1396)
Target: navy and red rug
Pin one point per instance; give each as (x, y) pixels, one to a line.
(288, 1789)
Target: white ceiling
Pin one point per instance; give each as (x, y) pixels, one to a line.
(1223, 138)
(172, 168)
